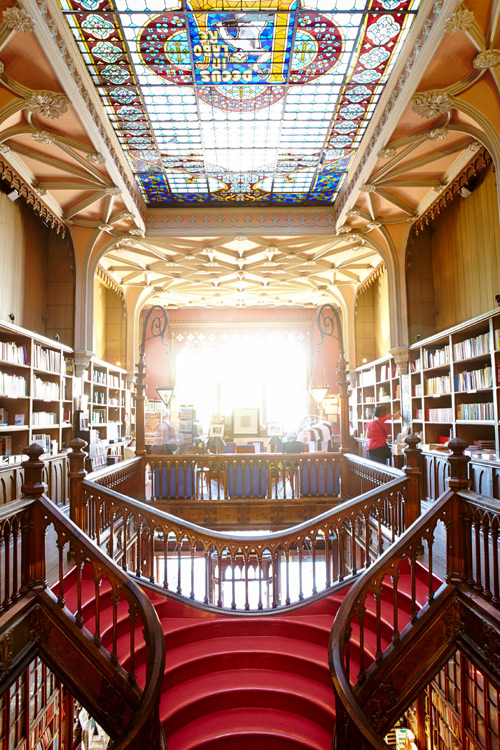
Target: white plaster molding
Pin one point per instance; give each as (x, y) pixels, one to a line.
(82, 360)
(401, 356)
(226, 222)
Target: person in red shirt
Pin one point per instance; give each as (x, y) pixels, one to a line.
(377, 432)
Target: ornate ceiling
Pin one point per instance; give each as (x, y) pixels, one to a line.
(64, 148)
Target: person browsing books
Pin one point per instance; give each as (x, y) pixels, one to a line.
(377, 432)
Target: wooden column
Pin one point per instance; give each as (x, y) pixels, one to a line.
(140, 391)
(458, 551)
(77, 473)
(413, 471)
(33, 537)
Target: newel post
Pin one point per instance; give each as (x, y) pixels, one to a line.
(458, 550)
(33, 538)
(77, 473)
(413, 471)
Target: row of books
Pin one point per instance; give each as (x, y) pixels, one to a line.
(99, 377)
(11, 352)
(45, 390)
(13, 386)
(114, 381)
(473, 380)
(418, 390)
(388, 370)
(437, 357)
(473, 347)
(46, 359)
(44, 418)
(439, 415)
(475, 412)
(48, 444)
(438, 386)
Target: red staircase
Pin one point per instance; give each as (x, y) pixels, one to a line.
(237, 681)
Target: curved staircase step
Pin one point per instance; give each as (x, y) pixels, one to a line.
(248, 729)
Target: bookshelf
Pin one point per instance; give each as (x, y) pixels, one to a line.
(108, 398)
(377, 383)
(36, 392)
(455, 384)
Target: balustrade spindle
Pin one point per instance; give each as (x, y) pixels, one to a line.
(486, 556)
(301, 591)
(494, 538)
(191, 594)
(395, 603)
(413, 573)
(378, 601)
(430, 574)
(361, 621)
(477, 534)
(60, 585)
(6, 557)
(233, 585)
(179, 586)
(132, 614)
(115, 599)
(79, 616)
(207, 576)
(97, 611)
(287, 567)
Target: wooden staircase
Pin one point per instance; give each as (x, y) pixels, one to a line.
(242, 681)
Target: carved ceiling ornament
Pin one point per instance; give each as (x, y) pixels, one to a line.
(387, 153)
(438, 134)
(459, 22)
(432, 103)
(112, 191)
(490, 58)
(2, 67)
(17, 19)
(353, 212)
(137, 232)
(96, 158)
(126, 242)
(344, 229)
(105, 227)
(27, 192)
(4, 148)
(42, 136)
(367, 188)
(479, 161)
(47, 104)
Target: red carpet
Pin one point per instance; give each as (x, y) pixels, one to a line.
(244, 682)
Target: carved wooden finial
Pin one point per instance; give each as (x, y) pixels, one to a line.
(33, 468)
(458, 464)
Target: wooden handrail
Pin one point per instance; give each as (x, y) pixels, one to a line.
(471, 524)
(23, 525)
(331, 548)
(139, 606)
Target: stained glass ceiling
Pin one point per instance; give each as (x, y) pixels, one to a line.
(247, 101)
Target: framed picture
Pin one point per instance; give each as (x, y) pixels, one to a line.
(246, 422)
(216, 429)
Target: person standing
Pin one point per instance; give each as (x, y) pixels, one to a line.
(377, 432)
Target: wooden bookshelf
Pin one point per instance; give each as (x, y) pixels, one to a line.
(455, 384)
(36, 392)
(377, 383)
(108, 399)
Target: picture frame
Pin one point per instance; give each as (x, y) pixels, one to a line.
(246, 422)
(217, 428)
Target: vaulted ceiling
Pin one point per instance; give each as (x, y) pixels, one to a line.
(64, 148)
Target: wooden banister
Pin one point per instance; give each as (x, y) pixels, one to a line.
(165, 550)
(87, 659)
(409, 644)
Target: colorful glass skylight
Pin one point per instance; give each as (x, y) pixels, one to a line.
(251, 101)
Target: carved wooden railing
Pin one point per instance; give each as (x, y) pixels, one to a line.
(240, 475)
(245, 571)
(93, 657)
(406, 645)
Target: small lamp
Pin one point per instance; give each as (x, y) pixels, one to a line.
(216, 443)
(275, 443)
(165, 392)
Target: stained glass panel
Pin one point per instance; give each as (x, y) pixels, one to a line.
(254, 101)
